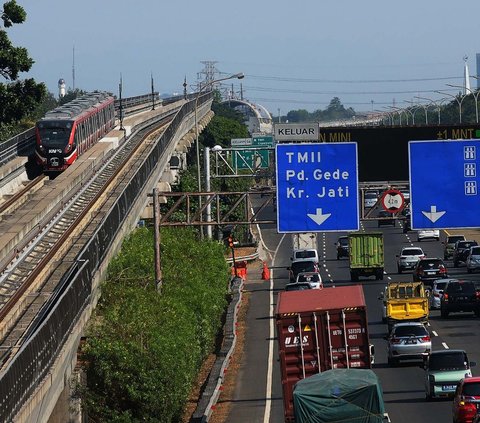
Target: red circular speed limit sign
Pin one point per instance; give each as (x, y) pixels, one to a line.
(393, 201)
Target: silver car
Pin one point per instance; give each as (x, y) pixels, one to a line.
(436, 293)
(408, 341)
(473, 259)
(408, 258)
(313, 278)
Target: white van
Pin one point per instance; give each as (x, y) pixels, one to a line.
(305, 254)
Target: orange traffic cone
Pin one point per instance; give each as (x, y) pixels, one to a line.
(265, 272)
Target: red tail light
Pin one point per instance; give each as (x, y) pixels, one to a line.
(442, 269)
(420, 271)
(445, 296)
(425, 339)
(477, 295)
(395, 340)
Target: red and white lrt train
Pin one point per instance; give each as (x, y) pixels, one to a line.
(69, 130)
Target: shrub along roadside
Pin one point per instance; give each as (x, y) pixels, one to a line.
(144, 349)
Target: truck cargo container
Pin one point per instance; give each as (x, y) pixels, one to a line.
(366, 255)
(319, 330)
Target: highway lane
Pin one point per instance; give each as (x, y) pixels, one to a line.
(403, 386)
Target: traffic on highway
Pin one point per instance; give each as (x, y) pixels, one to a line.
(422, 349)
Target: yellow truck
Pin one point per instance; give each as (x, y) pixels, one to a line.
(404, 302)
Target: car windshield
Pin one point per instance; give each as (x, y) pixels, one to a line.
(303, 266)
(464, 288)
(412, 252)
(370, 196)
(314, 277)
(471, 389)
(455, 360)
(343, 241)
(406, 331)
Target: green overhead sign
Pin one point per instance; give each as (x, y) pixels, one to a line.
(250, 157)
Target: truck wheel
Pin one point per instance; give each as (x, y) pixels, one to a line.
(379, 275)
(455, 263)
(353, 276)
(443, 313)
(399, 269)
(338, 257)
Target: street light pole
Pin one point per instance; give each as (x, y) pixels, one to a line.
(203, 88)
(459, 102)
(474, 94)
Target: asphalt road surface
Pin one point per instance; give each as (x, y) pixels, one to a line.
(258, 396)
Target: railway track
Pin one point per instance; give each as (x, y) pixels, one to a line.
(28, 282)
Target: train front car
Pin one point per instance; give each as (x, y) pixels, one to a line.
(55, 142)
(69, 130)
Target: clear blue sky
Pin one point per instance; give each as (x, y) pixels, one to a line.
(295, 55)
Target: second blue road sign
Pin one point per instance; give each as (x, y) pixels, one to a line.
(317, 187)
(445, 184)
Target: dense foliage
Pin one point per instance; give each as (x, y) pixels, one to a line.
(334, 111)
(145, 348)
(17, 98)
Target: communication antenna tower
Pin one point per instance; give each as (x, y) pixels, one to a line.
(73, 69)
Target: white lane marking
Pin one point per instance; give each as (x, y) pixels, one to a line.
(268, 402)
(329, 275)
(434, 333)
(384, 272)
(389, 278)
(445, 346)
(324, 265)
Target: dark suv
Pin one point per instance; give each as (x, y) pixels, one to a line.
(385, 218)
(343, 249)
(460, 253)
(460, 296)
(429, 269)
(300, 266)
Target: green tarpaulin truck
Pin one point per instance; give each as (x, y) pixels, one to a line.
(340, 395)
(366, 255)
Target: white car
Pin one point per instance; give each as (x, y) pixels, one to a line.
(435, 295)
(305, 254)
(313, 278)
(428, 234)
(473, 259)
(371, 198)
(408, 258)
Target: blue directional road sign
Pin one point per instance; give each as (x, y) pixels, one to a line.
(445, 184)
(317, 187)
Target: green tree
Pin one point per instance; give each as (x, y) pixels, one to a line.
(17, 98)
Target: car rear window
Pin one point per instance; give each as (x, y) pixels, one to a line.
(430, 263)
(412, 252)
(467, 244)
(454, 239)
(448, 361)
(343, 241)
(297, 287)
(305, 254)
(309, 278)
(410, 331)
(440, 285)
(465, 287)
(471, 389)
(303, 266)
(475, 251)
